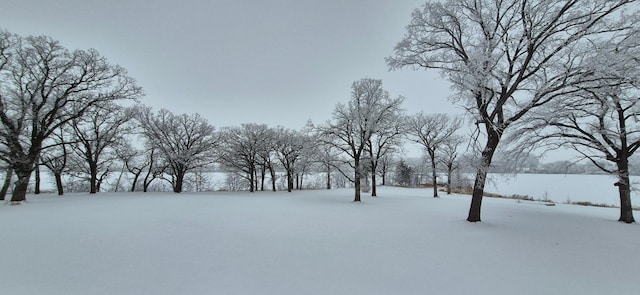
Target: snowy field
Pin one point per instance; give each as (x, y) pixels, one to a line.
(312, 242)
(563, 188)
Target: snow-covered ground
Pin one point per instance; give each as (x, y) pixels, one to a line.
(312, 242)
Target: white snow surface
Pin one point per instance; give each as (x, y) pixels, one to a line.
(312, 242)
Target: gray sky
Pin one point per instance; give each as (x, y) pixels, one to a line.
(279, 62)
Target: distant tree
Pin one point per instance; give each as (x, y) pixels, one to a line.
(184, 142)
(506, 58)
(239, 150)
(96, 137)
(433, 132)
(290, 145)
(448, 156)
(45, 86)
(354, 123)
(385, 140)
(384, 166)
(404, 173)
(328, 157)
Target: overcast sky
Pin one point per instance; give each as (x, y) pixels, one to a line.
(279, 62)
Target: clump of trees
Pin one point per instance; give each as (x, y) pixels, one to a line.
(507, 59)
(45, 87)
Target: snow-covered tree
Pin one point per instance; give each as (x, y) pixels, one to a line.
(289, 147)
(239, 150)
(506, 58)
(433, 132)
(354, 124)
(45, 86)
(386, 139)
(184, 142)
(96, 137)
(448, 157)
(601, 122)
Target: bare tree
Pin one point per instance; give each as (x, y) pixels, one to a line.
(44, 86)
(355, 122)
(184, 142)
(433, 131)
(385, 140)
(96, 137)
(289, 147)
(55, 157)
(505, 58)
(239, 150)
(602, 122)
(448, 157)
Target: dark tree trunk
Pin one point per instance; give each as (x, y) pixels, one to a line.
(434, 175)
(273, 179)
(177, 187)
(481, 176)
(373, 183)
(624, 190)
(36, 189)
(356, 180)
(297, 181)
(449, 174)
(20, 190)
(93, 178)
(328, 179)
(59, 186)
(7, 182)
(289, 180)
(135, 181)
(263, 174)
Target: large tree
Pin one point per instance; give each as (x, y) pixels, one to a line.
(354, 124)
(602, 122)
(505, 57)
(433, 132)
(184, 142)
(45, 86)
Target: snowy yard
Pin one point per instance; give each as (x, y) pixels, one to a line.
(312, 242)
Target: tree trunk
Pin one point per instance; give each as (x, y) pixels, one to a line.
(289, 180)
(177, 188)
(93, 178)
(20, 190)
(481, 176)
(373, 182)
(356, 180)
(449, 174)
(7, 182)
(624, 190)
(134, 182)
(328, 178)
(58, 177)
(434, 175)
(36, 189)
(263, 174)
(273, 179)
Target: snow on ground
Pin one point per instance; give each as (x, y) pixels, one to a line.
(312, 242)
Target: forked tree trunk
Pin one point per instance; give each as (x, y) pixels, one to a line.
(7, 182)
(624, 190)
(19, 193)
(481, 176)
